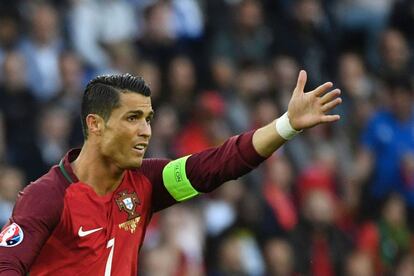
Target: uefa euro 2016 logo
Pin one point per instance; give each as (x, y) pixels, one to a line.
(11, 236)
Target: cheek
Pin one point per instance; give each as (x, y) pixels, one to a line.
(112, 142)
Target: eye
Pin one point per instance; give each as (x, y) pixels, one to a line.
(132, 118)
(148, 120)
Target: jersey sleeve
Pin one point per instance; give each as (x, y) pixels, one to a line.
(178, 180)
(152, 168)
(208, 169)
(35, 215)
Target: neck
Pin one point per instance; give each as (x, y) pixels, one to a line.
(96, 170)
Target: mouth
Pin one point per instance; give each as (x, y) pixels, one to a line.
(140, 148)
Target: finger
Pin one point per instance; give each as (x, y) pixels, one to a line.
(331, 105)
(330, 118)
(300, 85)
(320, 90)
(330, 96)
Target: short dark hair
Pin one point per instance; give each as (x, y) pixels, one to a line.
(101, 95)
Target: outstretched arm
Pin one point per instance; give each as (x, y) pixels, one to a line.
(202, 172)
(305, 110)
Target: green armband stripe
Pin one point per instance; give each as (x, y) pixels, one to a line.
(176, 181)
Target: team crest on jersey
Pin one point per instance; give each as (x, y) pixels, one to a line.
(11, 236)
(128, 203)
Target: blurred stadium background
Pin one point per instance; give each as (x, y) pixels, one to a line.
(338, 200)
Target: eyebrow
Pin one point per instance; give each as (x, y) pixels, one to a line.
(141, 113)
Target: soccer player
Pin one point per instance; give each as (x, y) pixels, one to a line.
(88, 215)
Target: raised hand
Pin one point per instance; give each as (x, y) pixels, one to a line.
(308, 109)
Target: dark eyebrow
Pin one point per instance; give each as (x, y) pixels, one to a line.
(141, 113)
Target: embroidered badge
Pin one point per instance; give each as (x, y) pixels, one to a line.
(11, 236)
(127, 202)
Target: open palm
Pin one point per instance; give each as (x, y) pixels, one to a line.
(308, 109)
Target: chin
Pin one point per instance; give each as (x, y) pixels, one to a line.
(136, 164)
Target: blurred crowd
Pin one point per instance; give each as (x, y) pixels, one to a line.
(336, 200)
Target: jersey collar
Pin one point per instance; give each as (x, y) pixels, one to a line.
(65, 167)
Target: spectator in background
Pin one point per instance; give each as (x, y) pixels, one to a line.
(388, 237)
(308, 37)
(281, 214)
(402, 18)
(94, 25)
(52, 138)
(252, 83)
(279, 258)
(73, 78)
(18, 106)
(206, 126)
(157, 40)
(282, 75)
(171, 27)
(187, 19)
(386, 141)
(319, 245)
(2, 139)
(366, 17)
(182, 86)
(9, 32)
(69, 97)
(41, 49)
(179, 244)
(395, 57)
(238, 254)
(166, 127)
(223, 203)
(247, 38)
(123, 58)
(320, 173)
(358, 88)
(230, 260)
(225, 81)
(359, 263)
(12, 180)
(405, 265)
(263, 110)
(54, 130)
(220, 214)
(151, 72)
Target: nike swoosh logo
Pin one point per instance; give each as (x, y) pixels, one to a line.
(82, 233)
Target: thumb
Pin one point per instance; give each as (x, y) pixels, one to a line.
(300, 85)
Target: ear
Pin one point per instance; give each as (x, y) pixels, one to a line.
(95, 124)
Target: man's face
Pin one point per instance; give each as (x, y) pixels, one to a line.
(126, 134)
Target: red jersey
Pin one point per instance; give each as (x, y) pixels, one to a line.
(60, 226)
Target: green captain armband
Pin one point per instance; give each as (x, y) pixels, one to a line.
(176, 181)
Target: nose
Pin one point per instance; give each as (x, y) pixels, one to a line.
(145, 130)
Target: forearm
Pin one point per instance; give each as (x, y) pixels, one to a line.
(266, 140)
(208, 169)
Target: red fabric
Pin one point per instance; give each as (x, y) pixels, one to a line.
(369, 238)
(191, 140)
(315, 178)
(51, 212)
(321, 262)
(282, 206)
(66, 252)
(213, 103)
